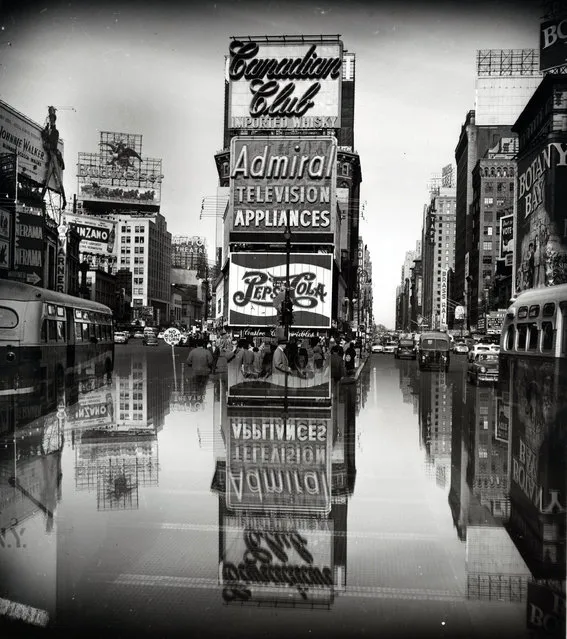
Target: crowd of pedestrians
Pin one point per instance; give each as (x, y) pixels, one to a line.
(258, 358)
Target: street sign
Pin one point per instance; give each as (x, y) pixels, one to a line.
(172, 336)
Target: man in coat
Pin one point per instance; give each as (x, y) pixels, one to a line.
(200, 360)
(280, 363)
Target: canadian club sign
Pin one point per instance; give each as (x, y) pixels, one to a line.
(255, 279)
(281, 181)
(284, 85)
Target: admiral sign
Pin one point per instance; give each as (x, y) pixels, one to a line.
(279, 465)
(97, 236)
(255, 279)
(279, 85)
(276, 181)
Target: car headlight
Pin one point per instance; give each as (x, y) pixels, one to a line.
(482, 369)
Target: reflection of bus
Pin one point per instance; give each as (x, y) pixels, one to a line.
(536, 323)
(533, 371)
(44, 333)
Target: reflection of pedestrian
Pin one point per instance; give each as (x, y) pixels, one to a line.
(337, 363)
(350, 355)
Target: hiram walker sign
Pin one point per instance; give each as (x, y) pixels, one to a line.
(255, 279)
(276, 181)
(278, 85)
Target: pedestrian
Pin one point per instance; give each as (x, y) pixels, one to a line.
(248, 360)
(350, 358)
(200, 360)
(337, 364)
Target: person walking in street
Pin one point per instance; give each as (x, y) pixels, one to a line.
(200, 360)
(337, 364)
(350, 358)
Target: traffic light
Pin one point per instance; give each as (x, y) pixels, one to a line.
(287, 312)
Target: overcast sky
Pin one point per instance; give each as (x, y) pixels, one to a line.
(158, 70)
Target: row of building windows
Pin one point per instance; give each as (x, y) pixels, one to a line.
(138, 239)
(489, 201)
(136, 229)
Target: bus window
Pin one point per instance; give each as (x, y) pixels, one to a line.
(97, 334)
(522, 335)
(8, 318)
(52, 330)
(85, 331)
(534, 310)
(548, 335)
(43, 336)
(549, 309)
(534, 335)
(509, 342)
(78, 333)
(61, 331)
(522, 312)
(564, 336)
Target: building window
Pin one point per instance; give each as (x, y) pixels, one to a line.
(344, 168)
(488, 230)
(487, 259)
(487, 246)
(500, 187)
(488, 201)
(488, 187)
(500, 201)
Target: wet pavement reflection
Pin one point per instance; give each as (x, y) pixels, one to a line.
(142, 498)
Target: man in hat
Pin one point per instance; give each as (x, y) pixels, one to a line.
(279, 361)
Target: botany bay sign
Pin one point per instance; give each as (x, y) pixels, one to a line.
(280, 181)
(284, 85)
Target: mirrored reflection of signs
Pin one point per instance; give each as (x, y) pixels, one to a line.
(538, 473)
(275, 561)
(277, 463)
(12, 536)
(502, 429)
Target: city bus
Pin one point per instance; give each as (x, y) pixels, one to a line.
(532, 391)
(45, 334)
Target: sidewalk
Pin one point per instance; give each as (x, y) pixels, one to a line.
(360, 366)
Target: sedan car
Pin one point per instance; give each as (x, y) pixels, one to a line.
(479, 349)
(484, 368)
(460, 347)
(405, 349)
(377, 348)
(390, 347)
(138, 335)
(150, 340)
(120, 337)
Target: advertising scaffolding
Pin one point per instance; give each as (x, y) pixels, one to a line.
(284, 84)
(118, 175)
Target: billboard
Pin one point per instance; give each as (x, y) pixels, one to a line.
(118, 174)
(20, 135)
(507, 238)
(552, 41)
(279, 464)
(28, 247)
(255, 279)
(97, 235)
(284, 85)
(5, 236)
(541, 244)
(281, 181)
(276, 560)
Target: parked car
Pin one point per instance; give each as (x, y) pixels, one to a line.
(390, 347)
(405, 349)
(161, 334)
(460, 347)
(120, 337)
(138, 335)
(377, 348)
(484, 368)
(150, 340)
(479, 348)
